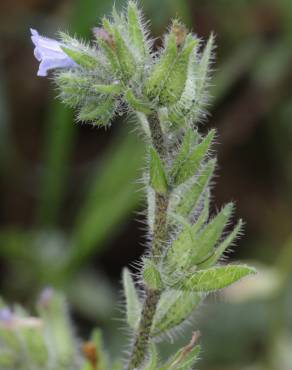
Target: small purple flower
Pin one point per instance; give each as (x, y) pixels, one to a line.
(50, 54)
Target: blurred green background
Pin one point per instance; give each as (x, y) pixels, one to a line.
(70, 201)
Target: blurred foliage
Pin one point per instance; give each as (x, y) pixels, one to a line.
(57, 221)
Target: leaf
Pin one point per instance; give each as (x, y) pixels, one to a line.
(151, 275)
(174, 307)
(222, 246)
(161, 68)
(214, 278)
(206, 240)
(114, 89)
(192, 194)
(203, 71)
(133, 304)
(124, 55)
(136, 104)
(98, 112)
(189, 140)
(158, 179)
(136, 30)
(180, 112)
(179, 255)
(177, 74)
(194, 159)
(81, 58)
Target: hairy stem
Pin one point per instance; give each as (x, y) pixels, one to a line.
(140, 347)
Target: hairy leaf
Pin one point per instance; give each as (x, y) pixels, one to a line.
(223, 246)
(214, 278)
(81, 58)
(151, 275)
(194, 159)
(158, 179)
(192, 194)
(174, 307)
(133, 304)
(210, 235)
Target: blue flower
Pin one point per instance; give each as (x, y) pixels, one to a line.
(50, 54)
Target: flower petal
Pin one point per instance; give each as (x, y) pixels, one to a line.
(50, 54)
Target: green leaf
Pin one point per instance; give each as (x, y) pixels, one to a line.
(192, 194)
(194, 159)
(214, 278)
(114, 89)
(182, 111)
(133, 304)
(206, 240)
(203, 71)
(177, 74)
(124, 55)
(158, 179)
(99, 112)
(137, 104)
(151, 275)
(184, 247)
(214, 258)
(110, 55)
(161, 68)
(188, 142)
(81, 58)
(136, 30)
(174, 308)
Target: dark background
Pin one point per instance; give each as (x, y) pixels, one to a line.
(69, 200)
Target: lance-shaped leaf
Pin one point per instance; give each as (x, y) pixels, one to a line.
(124, 54)
(133, 304)
(137, 104)
(99, 112)
(161, 68)
(206, 240)
(106, 44)
(136, 30)
(194, 159)
(214, 278)
(174, 308)
(203, 72)
(81, 58)
(182, 110)
(189, 140)
(184, 247)
(192, 194)
(151, 275)
(158, 179)
(226, 243)
(113, 89)
(73, 87)
(177, 75)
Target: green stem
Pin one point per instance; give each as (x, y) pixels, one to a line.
(141, 342)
